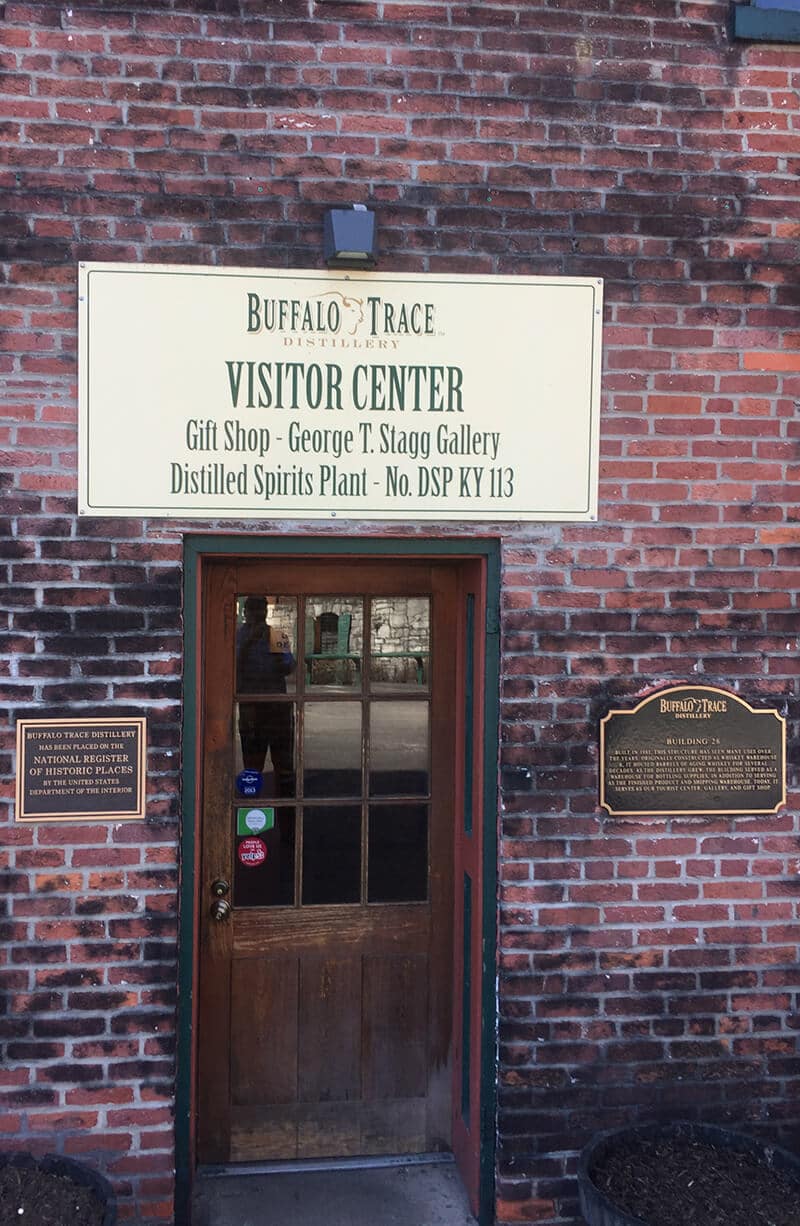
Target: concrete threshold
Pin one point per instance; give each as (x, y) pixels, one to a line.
(418, 1194)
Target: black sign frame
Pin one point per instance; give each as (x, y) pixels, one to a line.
(675, 734)
(71, 770)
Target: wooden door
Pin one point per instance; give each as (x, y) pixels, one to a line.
(326, 895)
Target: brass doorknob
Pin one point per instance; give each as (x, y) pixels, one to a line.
(220, 909)
(220, 887)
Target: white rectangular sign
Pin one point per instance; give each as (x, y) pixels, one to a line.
(230, 393)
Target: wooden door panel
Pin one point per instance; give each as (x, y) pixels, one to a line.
(313, 929)
(305, 1081)
(395, 1027)
(264, 1049)
(324, 1130)
(330, 992)
(259, 1130)
(395, 1127)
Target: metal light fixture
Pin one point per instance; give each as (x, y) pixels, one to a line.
(350, 239)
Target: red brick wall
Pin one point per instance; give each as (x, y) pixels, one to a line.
(648, 967)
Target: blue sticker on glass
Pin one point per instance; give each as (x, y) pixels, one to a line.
(249, 783)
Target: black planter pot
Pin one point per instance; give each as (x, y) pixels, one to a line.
(598, 1210)
(79, 1174)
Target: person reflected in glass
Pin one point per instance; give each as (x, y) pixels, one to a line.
(263, 662)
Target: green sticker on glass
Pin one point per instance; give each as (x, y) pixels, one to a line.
(254, 821)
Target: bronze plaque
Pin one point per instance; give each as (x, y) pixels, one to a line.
(72, 769)
(692, 749)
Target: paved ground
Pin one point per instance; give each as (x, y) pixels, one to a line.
(384, 1196)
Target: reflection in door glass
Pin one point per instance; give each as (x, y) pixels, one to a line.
(263, 856)
(400, 642)
(332, 749)
(265, 750)
(331, 854)
(399, 749)
(334, 643)
(398, 853)
(266, 638)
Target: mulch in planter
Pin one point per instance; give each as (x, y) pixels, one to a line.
(676, 1181)
(32, 1197)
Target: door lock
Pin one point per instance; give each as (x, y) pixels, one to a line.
(220, 910)
(220, 887)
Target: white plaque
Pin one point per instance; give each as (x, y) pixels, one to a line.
(229, 393)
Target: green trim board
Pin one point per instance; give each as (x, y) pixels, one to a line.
(206, 546)
(489, 1005)
(469, 728)
(466, 997)
(186, 928)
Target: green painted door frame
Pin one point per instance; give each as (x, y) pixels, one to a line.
(201, 548)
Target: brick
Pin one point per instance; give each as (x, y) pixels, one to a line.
(525, 1210)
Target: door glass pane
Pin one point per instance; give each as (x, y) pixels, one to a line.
(266, 642)
(398, 853)
(399, 749)
(265, 749)
(332, 749)
(331, 854)
(264, 856)
(400, 642)
(334, 643)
